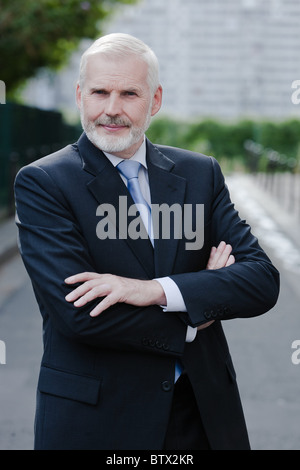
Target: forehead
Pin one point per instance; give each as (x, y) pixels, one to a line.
(116, 71)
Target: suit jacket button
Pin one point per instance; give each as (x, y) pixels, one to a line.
(145, 341)
(167, 386)
(158, 344)
(165, 346)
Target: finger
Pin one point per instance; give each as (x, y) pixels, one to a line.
(219, 252)
(231, 260)
(205, 325)
(80, 291)
(211, 258)
(81, 277)
(216, 260)
(98, 291)
(224, 256)
(107, 302)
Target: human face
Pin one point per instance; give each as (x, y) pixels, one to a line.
(116, 104)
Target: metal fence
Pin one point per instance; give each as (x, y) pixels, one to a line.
(284, 188)
(27, 134)
(277, 174)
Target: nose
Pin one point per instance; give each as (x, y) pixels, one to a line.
(113, 105)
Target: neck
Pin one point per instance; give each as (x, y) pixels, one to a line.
(128, 153)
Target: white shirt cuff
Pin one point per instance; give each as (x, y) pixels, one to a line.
(190, 334)
(175, 303)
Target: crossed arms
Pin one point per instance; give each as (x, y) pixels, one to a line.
(50, 232)
(116, 289)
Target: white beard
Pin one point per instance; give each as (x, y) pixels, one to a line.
(112, 144)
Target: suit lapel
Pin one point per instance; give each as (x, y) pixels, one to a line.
(166, 188)
(107, 187)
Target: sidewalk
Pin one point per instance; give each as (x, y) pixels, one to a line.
(276, 228)
(244, 185)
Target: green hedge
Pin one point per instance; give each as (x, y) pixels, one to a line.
(226, 141)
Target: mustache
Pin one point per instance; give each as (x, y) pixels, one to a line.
(108, 120)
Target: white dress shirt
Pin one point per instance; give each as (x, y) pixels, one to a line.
(175, 302)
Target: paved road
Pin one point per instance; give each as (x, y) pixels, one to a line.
(20, 329)
(261, 349)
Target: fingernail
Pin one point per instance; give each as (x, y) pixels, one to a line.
(93, 314)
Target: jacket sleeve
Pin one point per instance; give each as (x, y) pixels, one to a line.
(248, 288)
(52, 247)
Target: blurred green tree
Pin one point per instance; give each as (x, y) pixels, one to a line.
(43, 33)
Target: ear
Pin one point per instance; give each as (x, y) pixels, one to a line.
(78, 96)
(156, 101)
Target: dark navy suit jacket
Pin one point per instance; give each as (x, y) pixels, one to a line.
(107, 382)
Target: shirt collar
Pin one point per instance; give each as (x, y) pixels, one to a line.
(139, 156)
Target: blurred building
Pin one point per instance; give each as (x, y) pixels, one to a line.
(221, 59)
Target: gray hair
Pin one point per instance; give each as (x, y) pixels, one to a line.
(118, 45)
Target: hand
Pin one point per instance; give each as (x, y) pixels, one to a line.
(113, 289)
(220, 257)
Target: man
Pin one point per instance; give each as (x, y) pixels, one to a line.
(134, 352)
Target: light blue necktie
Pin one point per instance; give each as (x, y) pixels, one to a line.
(130, 170)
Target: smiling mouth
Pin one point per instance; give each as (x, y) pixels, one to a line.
(113, 127)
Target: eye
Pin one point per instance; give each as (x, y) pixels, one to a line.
(130, 93)
(100, 92)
